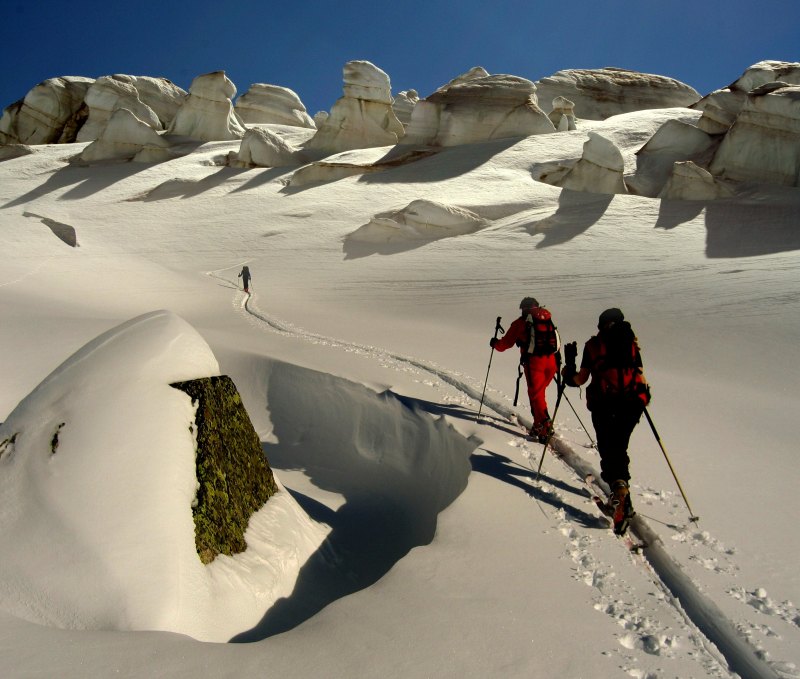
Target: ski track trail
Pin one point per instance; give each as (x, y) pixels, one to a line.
(733, 651)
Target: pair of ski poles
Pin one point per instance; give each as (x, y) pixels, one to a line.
(561, 392)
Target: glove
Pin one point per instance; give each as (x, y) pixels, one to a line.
(568, 375)
(492, 342)
(571, 352)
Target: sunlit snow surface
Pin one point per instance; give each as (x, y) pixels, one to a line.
(444, 558)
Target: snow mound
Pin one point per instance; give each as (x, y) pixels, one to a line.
(96, 487)
(419, 220)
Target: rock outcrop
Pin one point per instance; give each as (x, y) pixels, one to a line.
(51, 113)
(233, 476)
(363, 117)
(474, 108)
(272, 104)
(207, 113)
(601, 93)
(126, 137)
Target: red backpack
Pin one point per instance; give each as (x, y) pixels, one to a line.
(542, 336)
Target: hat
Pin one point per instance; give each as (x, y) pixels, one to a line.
(528, 303)
(610, 316)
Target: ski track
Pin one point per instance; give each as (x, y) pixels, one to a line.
(734, 649)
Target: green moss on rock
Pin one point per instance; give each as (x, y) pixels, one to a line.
(235, 479)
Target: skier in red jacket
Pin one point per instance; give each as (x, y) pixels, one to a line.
(537, 338)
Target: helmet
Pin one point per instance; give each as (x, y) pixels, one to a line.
(609, 317)
(528, 303)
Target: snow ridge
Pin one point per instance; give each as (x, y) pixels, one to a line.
(699, 610)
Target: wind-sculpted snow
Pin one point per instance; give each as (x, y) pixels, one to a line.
(97, 483)
(393, 467)
(678, 588)
(420, 220)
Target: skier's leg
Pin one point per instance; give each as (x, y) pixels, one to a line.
(539, 372)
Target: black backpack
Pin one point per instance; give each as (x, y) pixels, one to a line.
(619, 365)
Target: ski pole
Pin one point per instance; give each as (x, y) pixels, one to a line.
(692, 516)
(594, 444)
(561, 387)
(497, 328)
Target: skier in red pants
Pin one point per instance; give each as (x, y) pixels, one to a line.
(537, 338)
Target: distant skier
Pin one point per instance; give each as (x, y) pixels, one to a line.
(245, 276)
(616, 397)
(537, 338)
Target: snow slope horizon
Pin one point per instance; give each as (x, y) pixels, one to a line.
(704, 285)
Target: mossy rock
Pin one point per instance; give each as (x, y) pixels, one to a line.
(235, 479)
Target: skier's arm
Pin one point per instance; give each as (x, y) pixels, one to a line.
(510, 338)
(571, 377)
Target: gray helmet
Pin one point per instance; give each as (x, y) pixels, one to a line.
(609, 317)
(528, 303)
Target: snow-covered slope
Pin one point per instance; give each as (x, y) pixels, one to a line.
(360, 362)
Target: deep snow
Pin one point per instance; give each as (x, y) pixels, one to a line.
(443, 557)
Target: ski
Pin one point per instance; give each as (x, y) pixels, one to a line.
(608, 510)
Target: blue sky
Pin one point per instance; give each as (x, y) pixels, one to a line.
(421, 45)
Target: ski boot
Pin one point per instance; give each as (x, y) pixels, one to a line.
(621, 505)
(542, 432)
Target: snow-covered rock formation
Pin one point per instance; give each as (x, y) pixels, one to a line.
(345, 164)
(264, 148)
(599, 170)
(763, 145)
(207, 113)
(98, 484)
(476, 107)
(160, 94)
(687, 181)
(403, 105)
(363, 116)
(126, 137)
(272, 104)
(601, 93)
(419, 220)
(49, 114)
(106, 95)
(721, 107)
(320, 117)
(767, 72)
(673, 142)
(563, 114)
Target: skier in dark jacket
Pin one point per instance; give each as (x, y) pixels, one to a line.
(616, 397)
(538, 362)
(245, 276)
